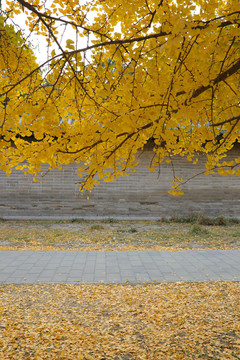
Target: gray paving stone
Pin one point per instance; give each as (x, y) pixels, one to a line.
(112, 278)
(100, 272)
(99, 280)
(153, 273)
(126, 266)
(87, 277)
(35, 270)
(59, 278)
(170, 278)
(47, 272)
(75, 273)
(78, 267)
(19, 273)
(129, 280)
(143, 277)
(9, 269)
(22, 264)
(101, 265)
(14, 280)
(118, 266)
(125, 272)
(51, 266)
(88, 268)
(63, 268)
(3, 277)
(66, 263)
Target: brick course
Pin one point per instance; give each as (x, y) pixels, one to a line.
(141, 195)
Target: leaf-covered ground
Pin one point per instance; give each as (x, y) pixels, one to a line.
(120, 322)
(122, 235)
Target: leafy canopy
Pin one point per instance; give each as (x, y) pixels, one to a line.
(131, 71)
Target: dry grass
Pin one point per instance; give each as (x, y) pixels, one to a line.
(121, 235)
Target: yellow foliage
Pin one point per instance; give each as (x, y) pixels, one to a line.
(167, 71)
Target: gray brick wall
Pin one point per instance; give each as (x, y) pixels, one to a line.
(141, 195)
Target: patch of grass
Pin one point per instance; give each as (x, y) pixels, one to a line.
(58, 233)
(166, 236)
(218, 221)
(132, 230)
(233, 221)
(185, 219)
(44, 223)
(77, 220)
(111, 221)
(221, 221)
(236, 234)
(203, 220)
(97, 227)
(199, 230)
(121, 231)
(24, 238)
(163, 220)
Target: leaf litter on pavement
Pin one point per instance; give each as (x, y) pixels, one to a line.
(120, 322)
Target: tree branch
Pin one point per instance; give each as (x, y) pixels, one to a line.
(221, 77)
(234, 118)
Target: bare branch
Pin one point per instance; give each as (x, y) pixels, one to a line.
(234, 118)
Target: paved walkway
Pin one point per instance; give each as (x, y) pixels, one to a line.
(30, 267)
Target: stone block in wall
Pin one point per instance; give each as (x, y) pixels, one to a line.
(142, 194)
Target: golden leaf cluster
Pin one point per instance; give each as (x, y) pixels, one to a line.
(139, 70)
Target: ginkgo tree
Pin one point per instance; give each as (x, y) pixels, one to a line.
(130, 71)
